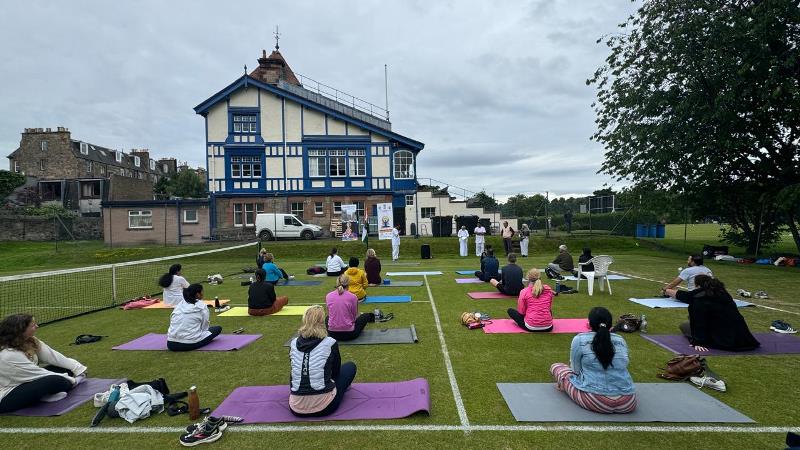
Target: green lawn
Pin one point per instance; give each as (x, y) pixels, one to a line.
(760, 387)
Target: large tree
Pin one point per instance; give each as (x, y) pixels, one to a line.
(185, 184)
(702, 98)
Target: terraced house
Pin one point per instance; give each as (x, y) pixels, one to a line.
(280, 142)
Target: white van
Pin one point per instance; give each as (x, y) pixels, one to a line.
(271, 226)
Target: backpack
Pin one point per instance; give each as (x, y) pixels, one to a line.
(315, 270)
(682, 367)
(627, 323)
(86, 339)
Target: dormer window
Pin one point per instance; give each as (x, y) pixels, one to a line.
(118, 155)
(152, 164)
(137, 161)
(84, 148)
(244, 123)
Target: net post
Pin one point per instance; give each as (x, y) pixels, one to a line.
(114, 284)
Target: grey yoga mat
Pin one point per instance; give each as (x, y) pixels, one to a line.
(381, 336)
(657, 402)
(398, 284)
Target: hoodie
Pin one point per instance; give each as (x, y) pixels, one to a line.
(358, 282)
(315, 364)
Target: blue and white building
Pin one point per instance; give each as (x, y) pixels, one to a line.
(274, 143)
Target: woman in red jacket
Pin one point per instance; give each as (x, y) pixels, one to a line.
(533, 311)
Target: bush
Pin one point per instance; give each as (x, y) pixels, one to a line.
(9, 181)
(621, 224)
(49, 211)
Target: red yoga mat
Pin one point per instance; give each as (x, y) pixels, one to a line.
(506, 326)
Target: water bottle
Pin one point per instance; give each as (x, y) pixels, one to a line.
(194, 404)
(643, 326)
(558, 287)
(216, 302)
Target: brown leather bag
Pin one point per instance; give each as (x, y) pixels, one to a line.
(682, 367)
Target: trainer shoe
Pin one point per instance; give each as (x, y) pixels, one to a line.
(206, 433)
(710, 382)
(222, 309)
(782, 327)
(291, 277)
(762, 295)
(744, 293)
(217, 421)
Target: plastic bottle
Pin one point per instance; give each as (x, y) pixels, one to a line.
(643, 326)
(194, 404)
(216, 302)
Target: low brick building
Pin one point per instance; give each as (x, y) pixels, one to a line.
(168, 222)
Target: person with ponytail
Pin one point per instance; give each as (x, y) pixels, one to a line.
(334, 265)
(534, 305)
(261, 298)
(714, 318)
(23, 382)
(344, 322)
(189, 324)
(173, 284)
(597, 378)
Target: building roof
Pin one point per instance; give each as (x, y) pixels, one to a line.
(273, 68)
(172, 202)
(108, 156)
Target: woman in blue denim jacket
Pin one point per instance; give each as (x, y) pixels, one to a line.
(597, 378)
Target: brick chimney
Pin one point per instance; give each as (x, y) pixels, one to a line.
(273, 68)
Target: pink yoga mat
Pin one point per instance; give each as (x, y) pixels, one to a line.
(223, 342)
(81, 394)
(485, 295)
(505, 326)
(469, 280)
(270, 404)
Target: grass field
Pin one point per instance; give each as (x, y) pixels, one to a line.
(763, 388)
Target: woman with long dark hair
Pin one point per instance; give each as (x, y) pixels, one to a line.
(334, 265)
(261, 298)
(22, 381)
(173, 284)
(189, 324)
(597, 377)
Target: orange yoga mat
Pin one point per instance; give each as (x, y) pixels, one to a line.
(162, 305)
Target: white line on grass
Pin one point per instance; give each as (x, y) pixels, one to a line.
(462, 412)
(414, 428)
(748, 300)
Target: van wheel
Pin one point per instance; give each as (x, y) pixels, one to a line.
(307, 235)
(265, 235)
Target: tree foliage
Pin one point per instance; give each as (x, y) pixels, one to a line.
(701, 98)
(185, 184)
(9, 181)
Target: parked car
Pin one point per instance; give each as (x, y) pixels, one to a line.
(271, 226)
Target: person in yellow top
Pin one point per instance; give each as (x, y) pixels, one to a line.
(358, 279)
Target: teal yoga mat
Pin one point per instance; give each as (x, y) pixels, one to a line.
(388, 299)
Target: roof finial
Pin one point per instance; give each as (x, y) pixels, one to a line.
(277, 35)
(245, 69)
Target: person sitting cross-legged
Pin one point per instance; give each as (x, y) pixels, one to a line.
(261, 298)
(358, 279)
(489, 266)
(344, 322)
(510, 278)
(562, 263)
(189, 323)
(534, 305)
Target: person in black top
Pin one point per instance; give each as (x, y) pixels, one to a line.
(510, 278)
(586, 257)
(714, 318)
(489, 266)
(261, 298)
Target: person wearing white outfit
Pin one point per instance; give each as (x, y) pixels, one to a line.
(396, 243)
(524, 239)
(463, 237)
(480, 231)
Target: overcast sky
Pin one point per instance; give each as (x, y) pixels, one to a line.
(497, 94)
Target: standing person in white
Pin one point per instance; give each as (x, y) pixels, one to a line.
(524, 235)
(463, 236)
(396, 243)
(479, 239)
(173, 284)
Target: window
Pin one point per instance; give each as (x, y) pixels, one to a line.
(427, 212)
(297, 209)
(190, 216)
(337, 207)
(164, 168)
(246, 166)
(316, 163)
(336, 162)
(90, 189)
(287, 220)
(152, 164)
(409, 200)
(44, 146)
(42, 164)
(403, 165)
(102, 170)
(358, 163)
(140, 220)
(137, 161)
(244, 214)
(318, 208)
(359, 210)
(89, 167)
(84, 148)
(118, 156)
(16, 166)
(244, 123)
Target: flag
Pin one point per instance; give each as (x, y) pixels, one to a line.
(365, 232)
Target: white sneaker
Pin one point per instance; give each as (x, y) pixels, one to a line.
(54, 397)
(291, 277)
(80, 379)
(713, 383)
(222, 309)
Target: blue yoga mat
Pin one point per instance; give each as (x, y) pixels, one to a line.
(672, 303)
(388, 299)
(465, 272)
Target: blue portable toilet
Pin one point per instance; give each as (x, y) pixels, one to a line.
(651, 231)
(641, 230)
(661, 231)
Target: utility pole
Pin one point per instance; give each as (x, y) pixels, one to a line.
(547, 215)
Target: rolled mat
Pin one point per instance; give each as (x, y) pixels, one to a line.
(388, 299)
(81, 394)
(466, 272)
(469, 280)
(485, 295)
(363, 401)
(223, 342)
(162, 305)
(662, 302)
(508, 326)
(771, 344)
(288, 310)
(656, 402)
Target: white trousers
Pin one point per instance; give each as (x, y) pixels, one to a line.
(395, 252)
(478, 248)
(523, 247)
(462, 247)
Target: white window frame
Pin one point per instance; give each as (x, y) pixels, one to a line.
(118, 155)
(137, 161)
(42, 164)
(410, 200)
(316, 161)
(319, 208)
(165, 168)
(337, 162)
(84, 148)
(89, 166)
(399, 160)
(43, 146)
(337, 208)
(297, 211)
(16, 166)
(241, 210)
(431, 210)
(357, 163)
(90, 185)
(246, 167)
(152, 164)
(187, 219)
(238, 214)
(245, 123)
(360, 209)
(140, 215)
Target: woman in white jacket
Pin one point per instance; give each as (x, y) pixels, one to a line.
(173, 284)
(22, 381)
(334, 264)
(188, 325)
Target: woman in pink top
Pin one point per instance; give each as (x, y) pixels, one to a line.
(344, 323)
(533, 306)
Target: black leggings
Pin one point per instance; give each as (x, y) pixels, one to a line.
(361, 322)
(335, 274)
(181, 347)
(520, 320)
(346, 375)
(30, 393)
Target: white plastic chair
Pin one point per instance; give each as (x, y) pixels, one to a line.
(601, 264)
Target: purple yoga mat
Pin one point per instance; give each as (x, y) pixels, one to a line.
(270, 404)
(771, 344)
(485, 295)
(223, 342)
(505, 326)
(76, 397)
(469, 280)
